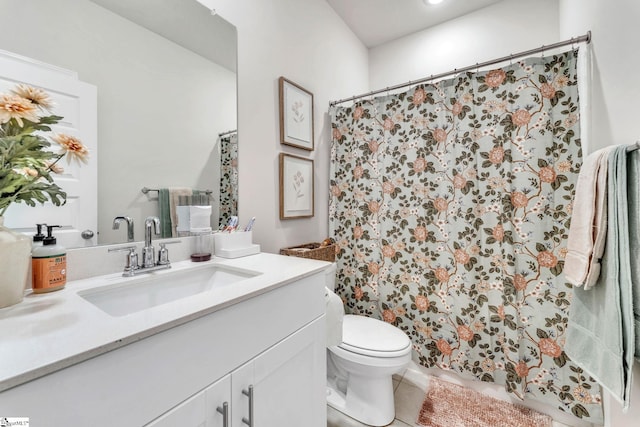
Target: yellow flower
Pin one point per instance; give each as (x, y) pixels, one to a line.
(18, 108)
(72, 147)
(36, 95)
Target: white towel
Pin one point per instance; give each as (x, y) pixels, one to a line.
(588, 223)
(174, 193)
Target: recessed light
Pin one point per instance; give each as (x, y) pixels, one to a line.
(432, 2)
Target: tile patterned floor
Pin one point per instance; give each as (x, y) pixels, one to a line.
(409, 393)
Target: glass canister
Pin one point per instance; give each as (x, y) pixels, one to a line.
(203, 246)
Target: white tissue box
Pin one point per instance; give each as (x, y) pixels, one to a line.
(234, 245)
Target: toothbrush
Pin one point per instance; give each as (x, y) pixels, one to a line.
(250, 224)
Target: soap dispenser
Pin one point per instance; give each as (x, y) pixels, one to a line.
(48, 264)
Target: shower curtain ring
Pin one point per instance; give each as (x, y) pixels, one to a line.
(542, 50)
(511, 59)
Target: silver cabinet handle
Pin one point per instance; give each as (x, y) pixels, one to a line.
(225, 413)
(249, 394)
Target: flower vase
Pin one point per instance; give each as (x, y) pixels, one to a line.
(15, 254)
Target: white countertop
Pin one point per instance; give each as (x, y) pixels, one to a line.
(49, 332)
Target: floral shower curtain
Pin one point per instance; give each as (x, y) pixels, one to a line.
(450, 204)
(228, 178)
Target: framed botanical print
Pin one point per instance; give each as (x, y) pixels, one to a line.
(296, 115)
(296, 187)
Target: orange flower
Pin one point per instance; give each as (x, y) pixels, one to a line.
(373, 206)
(37, 96)
(547, 174)
(419, 165)
(459, 182)
(547, 91)
(549, 347)
(547, 259)
(357, 232)
(335, 191)
(461, 256)
(496, 155)
(519, 200)
(440, 204)
(358, 172)
(373, 146)
(72, 147)
(420, 233)
(444, 347)
(522, 369)
(419, 96)
(18, 108)
(456, 109)
(422, 303)
(465, 333)
(388, 124)
(494, 78)
(521, 117)
(336, 134)
(498, 232)
(358, 293)
(440, 135)
(388, 251)
(358, 112)
(389, 316)
(441, 274)
(388, 187)
(519, 282)
(501, 312)
(373, 267)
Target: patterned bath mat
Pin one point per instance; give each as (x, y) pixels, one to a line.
(451, 405)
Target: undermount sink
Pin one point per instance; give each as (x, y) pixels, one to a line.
(132, 295)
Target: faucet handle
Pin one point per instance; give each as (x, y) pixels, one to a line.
(163, 253)
(131, 263)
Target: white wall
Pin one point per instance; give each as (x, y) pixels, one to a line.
(615, 92)
(306, 42)
(507, 27)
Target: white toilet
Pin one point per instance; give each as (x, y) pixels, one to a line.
(359, 370)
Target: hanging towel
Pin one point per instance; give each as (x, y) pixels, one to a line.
(164, 213)
(174, 193)
(588, 222)
(633, 199)
(600, 333)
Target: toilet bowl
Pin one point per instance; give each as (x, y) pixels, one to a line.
(360, 368)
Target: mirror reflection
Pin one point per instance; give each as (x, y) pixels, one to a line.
(166, 99)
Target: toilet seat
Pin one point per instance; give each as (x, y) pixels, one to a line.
(373, 337)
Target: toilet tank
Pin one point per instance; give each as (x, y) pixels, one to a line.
(330, 276)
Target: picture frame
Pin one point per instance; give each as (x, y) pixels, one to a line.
(296, 187)
(296, 115)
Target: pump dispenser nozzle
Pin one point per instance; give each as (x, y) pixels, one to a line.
(50, 240)
(39, 237)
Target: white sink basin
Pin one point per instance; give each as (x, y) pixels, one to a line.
(150, 290)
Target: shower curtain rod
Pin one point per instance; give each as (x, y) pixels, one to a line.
(227, 132)
(573, 40)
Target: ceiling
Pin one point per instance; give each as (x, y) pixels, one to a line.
(376, 22)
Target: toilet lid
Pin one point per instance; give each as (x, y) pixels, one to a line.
(369, 336)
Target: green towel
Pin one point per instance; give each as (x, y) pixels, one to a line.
(165, 212)
(633, 195)
(600, 332)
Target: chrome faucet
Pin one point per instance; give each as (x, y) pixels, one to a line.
(116, 225)
(148, 252)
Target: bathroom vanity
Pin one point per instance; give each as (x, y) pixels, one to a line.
(249, 350)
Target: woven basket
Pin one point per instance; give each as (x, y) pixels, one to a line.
(312, 251)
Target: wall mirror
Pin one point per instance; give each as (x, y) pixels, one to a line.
(165, 73)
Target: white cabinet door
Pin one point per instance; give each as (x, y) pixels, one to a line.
(76, 102)
(201, 410)
(288, 382)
